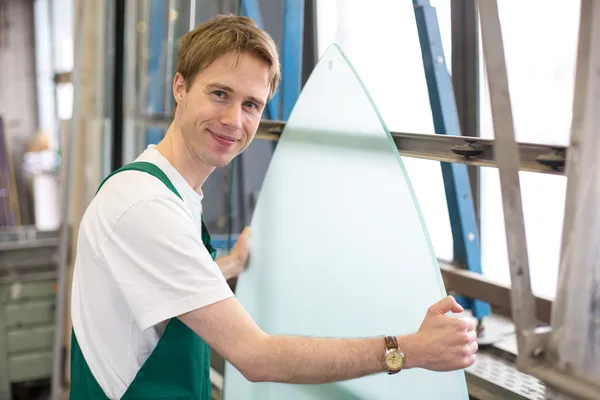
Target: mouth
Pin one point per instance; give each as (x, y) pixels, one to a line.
(223, 139)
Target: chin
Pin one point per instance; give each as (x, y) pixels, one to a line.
(222, 162)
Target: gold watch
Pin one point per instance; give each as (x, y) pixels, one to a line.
(394, 357)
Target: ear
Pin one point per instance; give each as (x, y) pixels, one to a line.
(179, 89)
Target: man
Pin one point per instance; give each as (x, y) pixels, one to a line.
(149, 301)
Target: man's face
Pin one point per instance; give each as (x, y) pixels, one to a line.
(220, 113)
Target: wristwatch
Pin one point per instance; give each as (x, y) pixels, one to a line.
(394, 357)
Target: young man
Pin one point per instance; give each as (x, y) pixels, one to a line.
(148, 298)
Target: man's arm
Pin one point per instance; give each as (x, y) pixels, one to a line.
(442, 343)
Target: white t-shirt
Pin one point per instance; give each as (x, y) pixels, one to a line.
(140, 261)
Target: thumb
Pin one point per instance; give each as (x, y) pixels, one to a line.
(243, 236)
(446, 305)
(246, 231)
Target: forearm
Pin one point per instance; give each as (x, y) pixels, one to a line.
(297, 359)
(259, 356)
(442, 343)
(230, 266)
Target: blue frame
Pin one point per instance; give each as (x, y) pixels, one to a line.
(456, 178)
(251, 9)
(156, 86)
(291, 79)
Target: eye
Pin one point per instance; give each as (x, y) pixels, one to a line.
(250, 104)
(219, 93)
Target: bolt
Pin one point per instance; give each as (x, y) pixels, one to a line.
(537, 352)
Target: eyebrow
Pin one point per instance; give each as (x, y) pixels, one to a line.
(230, 89)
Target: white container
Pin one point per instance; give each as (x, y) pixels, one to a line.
(46, 200)
(43, 170)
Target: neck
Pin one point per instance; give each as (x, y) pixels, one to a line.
(174, 149)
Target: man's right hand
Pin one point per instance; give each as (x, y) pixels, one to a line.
(442, 343)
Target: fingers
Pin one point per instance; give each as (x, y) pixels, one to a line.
(470, 356)
(464, 337)
(469, 361)
(467, 324)
(470, 349)
(245, 232)
(472, 336)
(445, 305)
(467, 344)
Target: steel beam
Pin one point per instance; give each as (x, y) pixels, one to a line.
(466, 79)
(548, 159)
(507, 157)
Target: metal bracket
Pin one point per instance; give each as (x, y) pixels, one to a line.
(555, 160)
(469, 150)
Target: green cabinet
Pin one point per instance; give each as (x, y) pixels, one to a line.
(27, 312)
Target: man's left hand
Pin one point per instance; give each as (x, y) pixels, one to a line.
(240, 248)
(234, 263)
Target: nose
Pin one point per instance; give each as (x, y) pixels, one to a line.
(232, 116)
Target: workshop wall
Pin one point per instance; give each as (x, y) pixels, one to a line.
(18, 87)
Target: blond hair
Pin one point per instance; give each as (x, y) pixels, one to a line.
(223, 34)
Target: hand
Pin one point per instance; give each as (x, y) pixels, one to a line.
(240, 248)
(442, 343)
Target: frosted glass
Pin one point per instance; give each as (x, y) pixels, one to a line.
(397, 83)
(338, 247)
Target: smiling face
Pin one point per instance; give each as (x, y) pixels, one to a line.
(219, 115)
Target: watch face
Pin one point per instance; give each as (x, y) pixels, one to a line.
(394, 360)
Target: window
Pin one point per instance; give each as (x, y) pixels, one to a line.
(380, 39)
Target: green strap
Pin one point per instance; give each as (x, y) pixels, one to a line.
(150, 168)
(155, 171)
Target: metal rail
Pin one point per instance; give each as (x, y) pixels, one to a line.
(456, 149)
(29, 244)
(479, 287)
(540, 158)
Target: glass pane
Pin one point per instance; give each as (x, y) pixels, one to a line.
(339, 247)
(392, 71)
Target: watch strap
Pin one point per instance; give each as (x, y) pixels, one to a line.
(391, 342)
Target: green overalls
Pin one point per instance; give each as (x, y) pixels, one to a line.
(179, 366)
